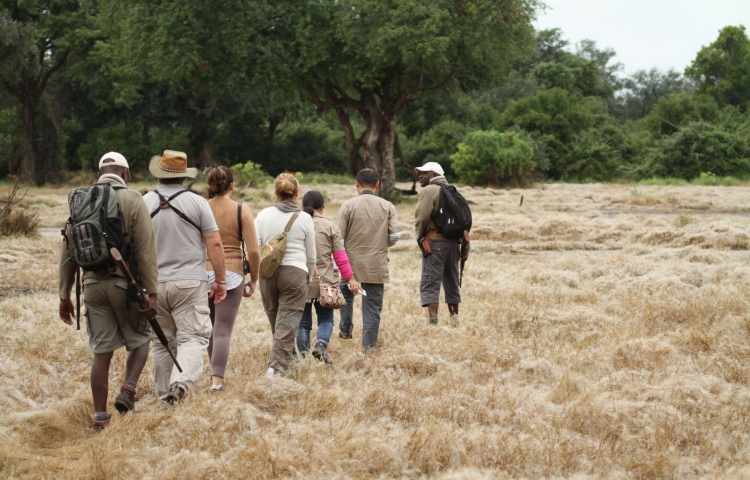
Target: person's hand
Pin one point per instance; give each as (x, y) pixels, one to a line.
(218, 292)
(353, 285)
(150, 311)
(249, 288)
(67, 311)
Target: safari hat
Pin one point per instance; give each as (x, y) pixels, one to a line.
(113, 159)
(172, 164)
(432, 167)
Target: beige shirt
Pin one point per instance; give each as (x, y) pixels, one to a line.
(327, 240)
(225, 213)
(365, 222)
(427, 208)
(136, 224)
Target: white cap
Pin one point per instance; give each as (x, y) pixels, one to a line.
(431, 167)
(113, 159)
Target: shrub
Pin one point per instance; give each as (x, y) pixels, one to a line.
(494, 158)
(249, 174)
(13, 219)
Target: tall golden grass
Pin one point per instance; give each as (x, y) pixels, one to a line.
(604, 333)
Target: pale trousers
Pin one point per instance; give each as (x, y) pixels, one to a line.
(182, 312)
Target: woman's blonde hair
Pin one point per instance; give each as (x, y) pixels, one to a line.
(286, 186)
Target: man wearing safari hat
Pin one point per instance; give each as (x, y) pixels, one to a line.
(185, 230)
(111, 321)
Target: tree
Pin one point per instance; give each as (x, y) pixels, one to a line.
(38, 39)
(722, 69)
(371, 57)
(645, 88)
(491, 157)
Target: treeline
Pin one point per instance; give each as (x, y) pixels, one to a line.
(329, 86)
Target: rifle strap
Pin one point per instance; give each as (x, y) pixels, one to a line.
(78, 298)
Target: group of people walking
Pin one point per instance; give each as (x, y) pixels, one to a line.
(192, 257)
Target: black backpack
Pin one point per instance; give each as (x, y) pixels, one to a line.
(95, 226)
(453, 215)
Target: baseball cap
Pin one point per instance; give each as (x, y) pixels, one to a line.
(113, 159)
(431, 167)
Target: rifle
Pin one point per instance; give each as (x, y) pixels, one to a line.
(143, 302)
(465, 247)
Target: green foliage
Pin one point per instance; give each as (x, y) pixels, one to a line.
(722, 69)
(677, 110)
(494, 158)
(307, 147)
(249, 174)
(702, 148)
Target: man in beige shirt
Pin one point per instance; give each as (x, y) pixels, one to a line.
(113, 320)
(369, 226)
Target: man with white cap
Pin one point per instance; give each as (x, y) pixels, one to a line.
(185, 231)
(113, 319)
(440, 254)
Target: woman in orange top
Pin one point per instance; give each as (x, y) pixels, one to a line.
(220, 187)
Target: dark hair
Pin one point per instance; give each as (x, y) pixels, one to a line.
(286, 186)
(367, 177)
(219, 179)
(312, 200)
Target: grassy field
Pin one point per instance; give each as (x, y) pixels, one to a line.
(603, 333)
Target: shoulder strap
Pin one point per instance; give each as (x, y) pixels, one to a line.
(290, 222)
(164, 204)
(239, 226)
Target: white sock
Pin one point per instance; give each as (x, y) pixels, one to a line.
(270, 372)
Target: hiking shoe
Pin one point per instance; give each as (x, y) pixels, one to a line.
(125, 401)
(433, 320)
(344, 335)
(175, 395)
(319, 352)
(100, 420)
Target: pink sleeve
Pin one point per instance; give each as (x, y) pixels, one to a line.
(342, 260)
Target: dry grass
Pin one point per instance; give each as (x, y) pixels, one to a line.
(603, 333)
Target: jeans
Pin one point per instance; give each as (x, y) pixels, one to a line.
(372, 304)
(325, 326)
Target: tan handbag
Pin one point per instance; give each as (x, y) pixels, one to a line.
(330, 295)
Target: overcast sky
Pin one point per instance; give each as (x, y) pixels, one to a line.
(645, 33)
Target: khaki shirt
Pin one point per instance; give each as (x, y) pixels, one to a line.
(327, 240)
(136, 224)
(427, 208)
(365, 222)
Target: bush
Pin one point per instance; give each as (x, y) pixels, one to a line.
(494, 158)
(13, 219)
(249, 174)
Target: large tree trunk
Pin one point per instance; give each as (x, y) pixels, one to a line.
(27, 165)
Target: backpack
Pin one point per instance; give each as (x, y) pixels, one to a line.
(454, 214)
(95, 226)
(272, 253)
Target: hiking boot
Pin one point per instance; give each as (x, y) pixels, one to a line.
(433, 320)
(125, 401)
(319, 352)
(100, 420)
(345, 335)
(175, 395)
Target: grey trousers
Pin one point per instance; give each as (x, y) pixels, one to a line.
(372, 304)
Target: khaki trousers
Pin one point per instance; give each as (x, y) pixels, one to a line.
(284, 296)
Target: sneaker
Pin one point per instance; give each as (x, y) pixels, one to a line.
(100, 420)
(216, 388)
(433, 320)
(270, 373)
(454, 320)
(125, 401)
(319, 352)
(176, 395)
